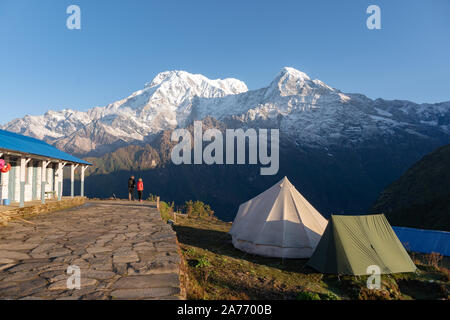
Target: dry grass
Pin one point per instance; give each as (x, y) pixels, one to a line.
(433, 259)
(216, 270)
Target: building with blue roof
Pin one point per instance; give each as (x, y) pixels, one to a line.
(32, 169)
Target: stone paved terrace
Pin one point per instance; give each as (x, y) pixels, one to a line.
(123, 249)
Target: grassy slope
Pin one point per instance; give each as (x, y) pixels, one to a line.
(216, 270)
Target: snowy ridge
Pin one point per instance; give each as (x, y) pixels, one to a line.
(306, 111)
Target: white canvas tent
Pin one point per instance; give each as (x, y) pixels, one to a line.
(279, 222)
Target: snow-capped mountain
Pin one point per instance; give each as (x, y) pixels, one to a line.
(161, 104)
(313, 113)
(307, 111)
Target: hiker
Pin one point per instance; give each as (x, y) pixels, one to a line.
(131, 185)
(140, 189)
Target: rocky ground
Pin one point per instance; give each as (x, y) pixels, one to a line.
(123, 250)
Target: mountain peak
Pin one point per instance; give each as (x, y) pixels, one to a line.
(163, 76)
(290, 81)
(228, 85)
(291, 72)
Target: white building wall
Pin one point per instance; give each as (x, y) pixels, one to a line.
(4, 185)
(51, 181)
(28, 193)
(4, 193)
(38, 182)
(59, 178)
(17, 183)
(28, 182)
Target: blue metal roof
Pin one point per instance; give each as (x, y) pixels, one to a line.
(16, 142)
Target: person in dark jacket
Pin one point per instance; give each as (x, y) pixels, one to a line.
(140, 189)
(131, 185)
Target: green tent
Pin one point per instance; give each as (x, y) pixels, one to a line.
(350, 244)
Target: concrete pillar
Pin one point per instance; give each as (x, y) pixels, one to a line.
(5, 182)
(59, 179)
(50, 178)
(23, 164)
(83, 168)
(38, 183)
(28, 183)
(72, 179)
(43, 179)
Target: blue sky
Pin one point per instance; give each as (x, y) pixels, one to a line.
(124, 44)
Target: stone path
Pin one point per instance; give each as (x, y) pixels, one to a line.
(123, 250)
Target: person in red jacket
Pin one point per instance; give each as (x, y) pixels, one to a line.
(140, 189)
